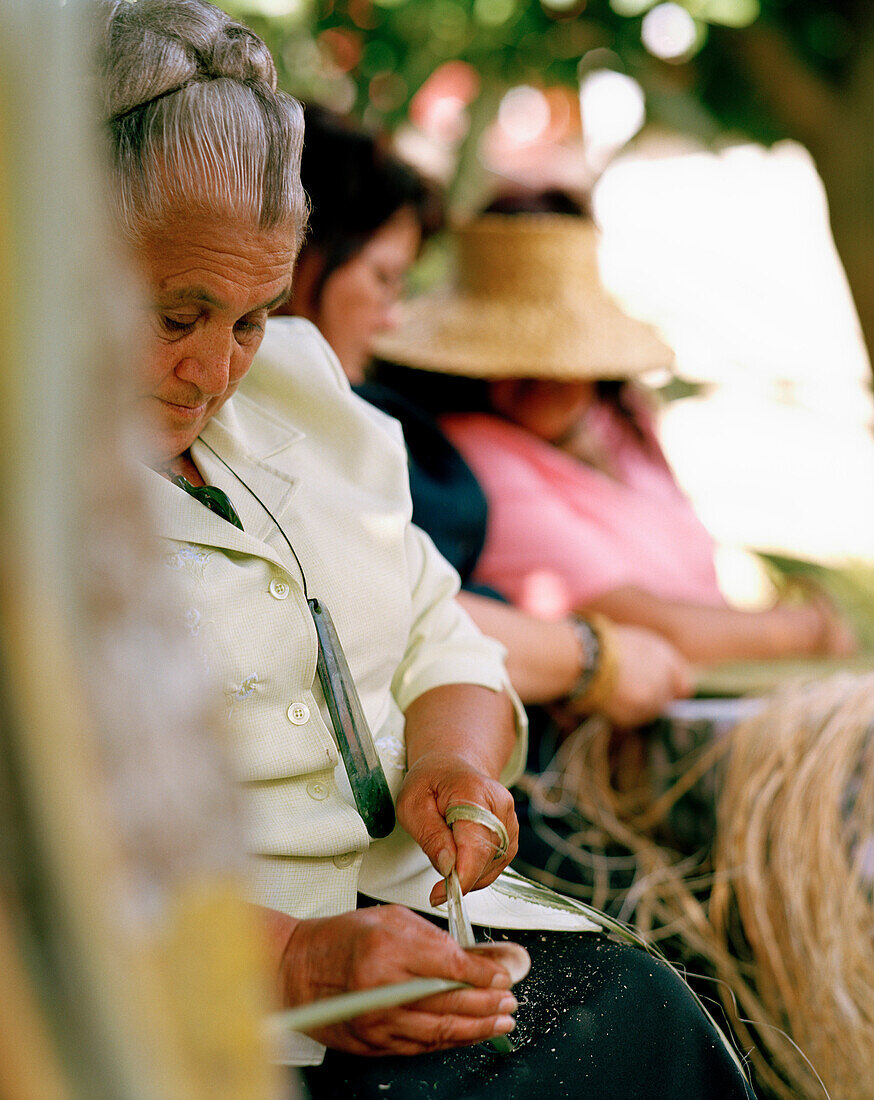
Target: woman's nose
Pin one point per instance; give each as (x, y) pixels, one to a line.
(208, 366)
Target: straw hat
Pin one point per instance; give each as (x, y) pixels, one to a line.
(526, 302)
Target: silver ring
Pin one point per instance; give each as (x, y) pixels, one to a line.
(479, 815)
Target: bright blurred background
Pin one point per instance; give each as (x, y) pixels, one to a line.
(725, 146)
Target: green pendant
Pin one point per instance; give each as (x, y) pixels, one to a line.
(354, 740)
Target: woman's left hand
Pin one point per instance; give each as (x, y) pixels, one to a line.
(434, 782)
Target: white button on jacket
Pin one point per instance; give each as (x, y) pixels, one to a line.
(298, 713)
(278, 589)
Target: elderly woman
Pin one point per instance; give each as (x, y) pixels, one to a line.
(287, 523)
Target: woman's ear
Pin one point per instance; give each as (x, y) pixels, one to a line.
(304, 300)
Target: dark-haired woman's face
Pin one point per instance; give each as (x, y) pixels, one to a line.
(359, 299)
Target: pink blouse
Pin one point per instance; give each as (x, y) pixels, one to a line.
(561, 533)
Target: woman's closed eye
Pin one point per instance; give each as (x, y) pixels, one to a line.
(250, 328)
(176, 326)
(246, 329)
(392, 282)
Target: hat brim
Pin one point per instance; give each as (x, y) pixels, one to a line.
(450, 333)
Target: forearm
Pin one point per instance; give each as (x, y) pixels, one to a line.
(278, 929)
(543, 657)
(467, 721)
(709, 634)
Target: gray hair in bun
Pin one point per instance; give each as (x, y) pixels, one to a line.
(195, 121)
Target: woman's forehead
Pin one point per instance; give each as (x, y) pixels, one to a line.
(217, 263)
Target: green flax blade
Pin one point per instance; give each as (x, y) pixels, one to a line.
(345, 1006)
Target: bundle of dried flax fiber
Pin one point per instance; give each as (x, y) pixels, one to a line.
(787, 927)
(793, 892)
(603, 816)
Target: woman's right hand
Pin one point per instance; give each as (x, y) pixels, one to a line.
(386, 944)
(650, 674)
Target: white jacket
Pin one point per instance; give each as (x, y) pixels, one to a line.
(332, 471)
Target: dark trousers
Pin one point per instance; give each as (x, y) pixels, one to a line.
(596, 1019)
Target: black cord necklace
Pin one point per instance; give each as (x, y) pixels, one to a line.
(354, 740)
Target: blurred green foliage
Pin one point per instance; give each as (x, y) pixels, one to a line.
(754, 69)
(850, 588)
(371, 56)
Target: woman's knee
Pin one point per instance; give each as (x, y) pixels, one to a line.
(628, 1016)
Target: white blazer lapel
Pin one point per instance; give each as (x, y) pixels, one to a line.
(233, 453)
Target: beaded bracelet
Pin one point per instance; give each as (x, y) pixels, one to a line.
(599, 663)
(590, 654)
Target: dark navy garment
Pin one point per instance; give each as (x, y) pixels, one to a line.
(448, 502)
(597, 1020)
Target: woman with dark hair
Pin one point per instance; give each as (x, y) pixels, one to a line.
(368, 216)
(348, 281)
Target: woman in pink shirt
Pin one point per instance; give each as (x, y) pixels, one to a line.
(563, 533)
(544, 357)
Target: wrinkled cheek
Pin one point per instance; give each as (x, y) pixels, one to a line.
(239, 370)
(153, 371)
